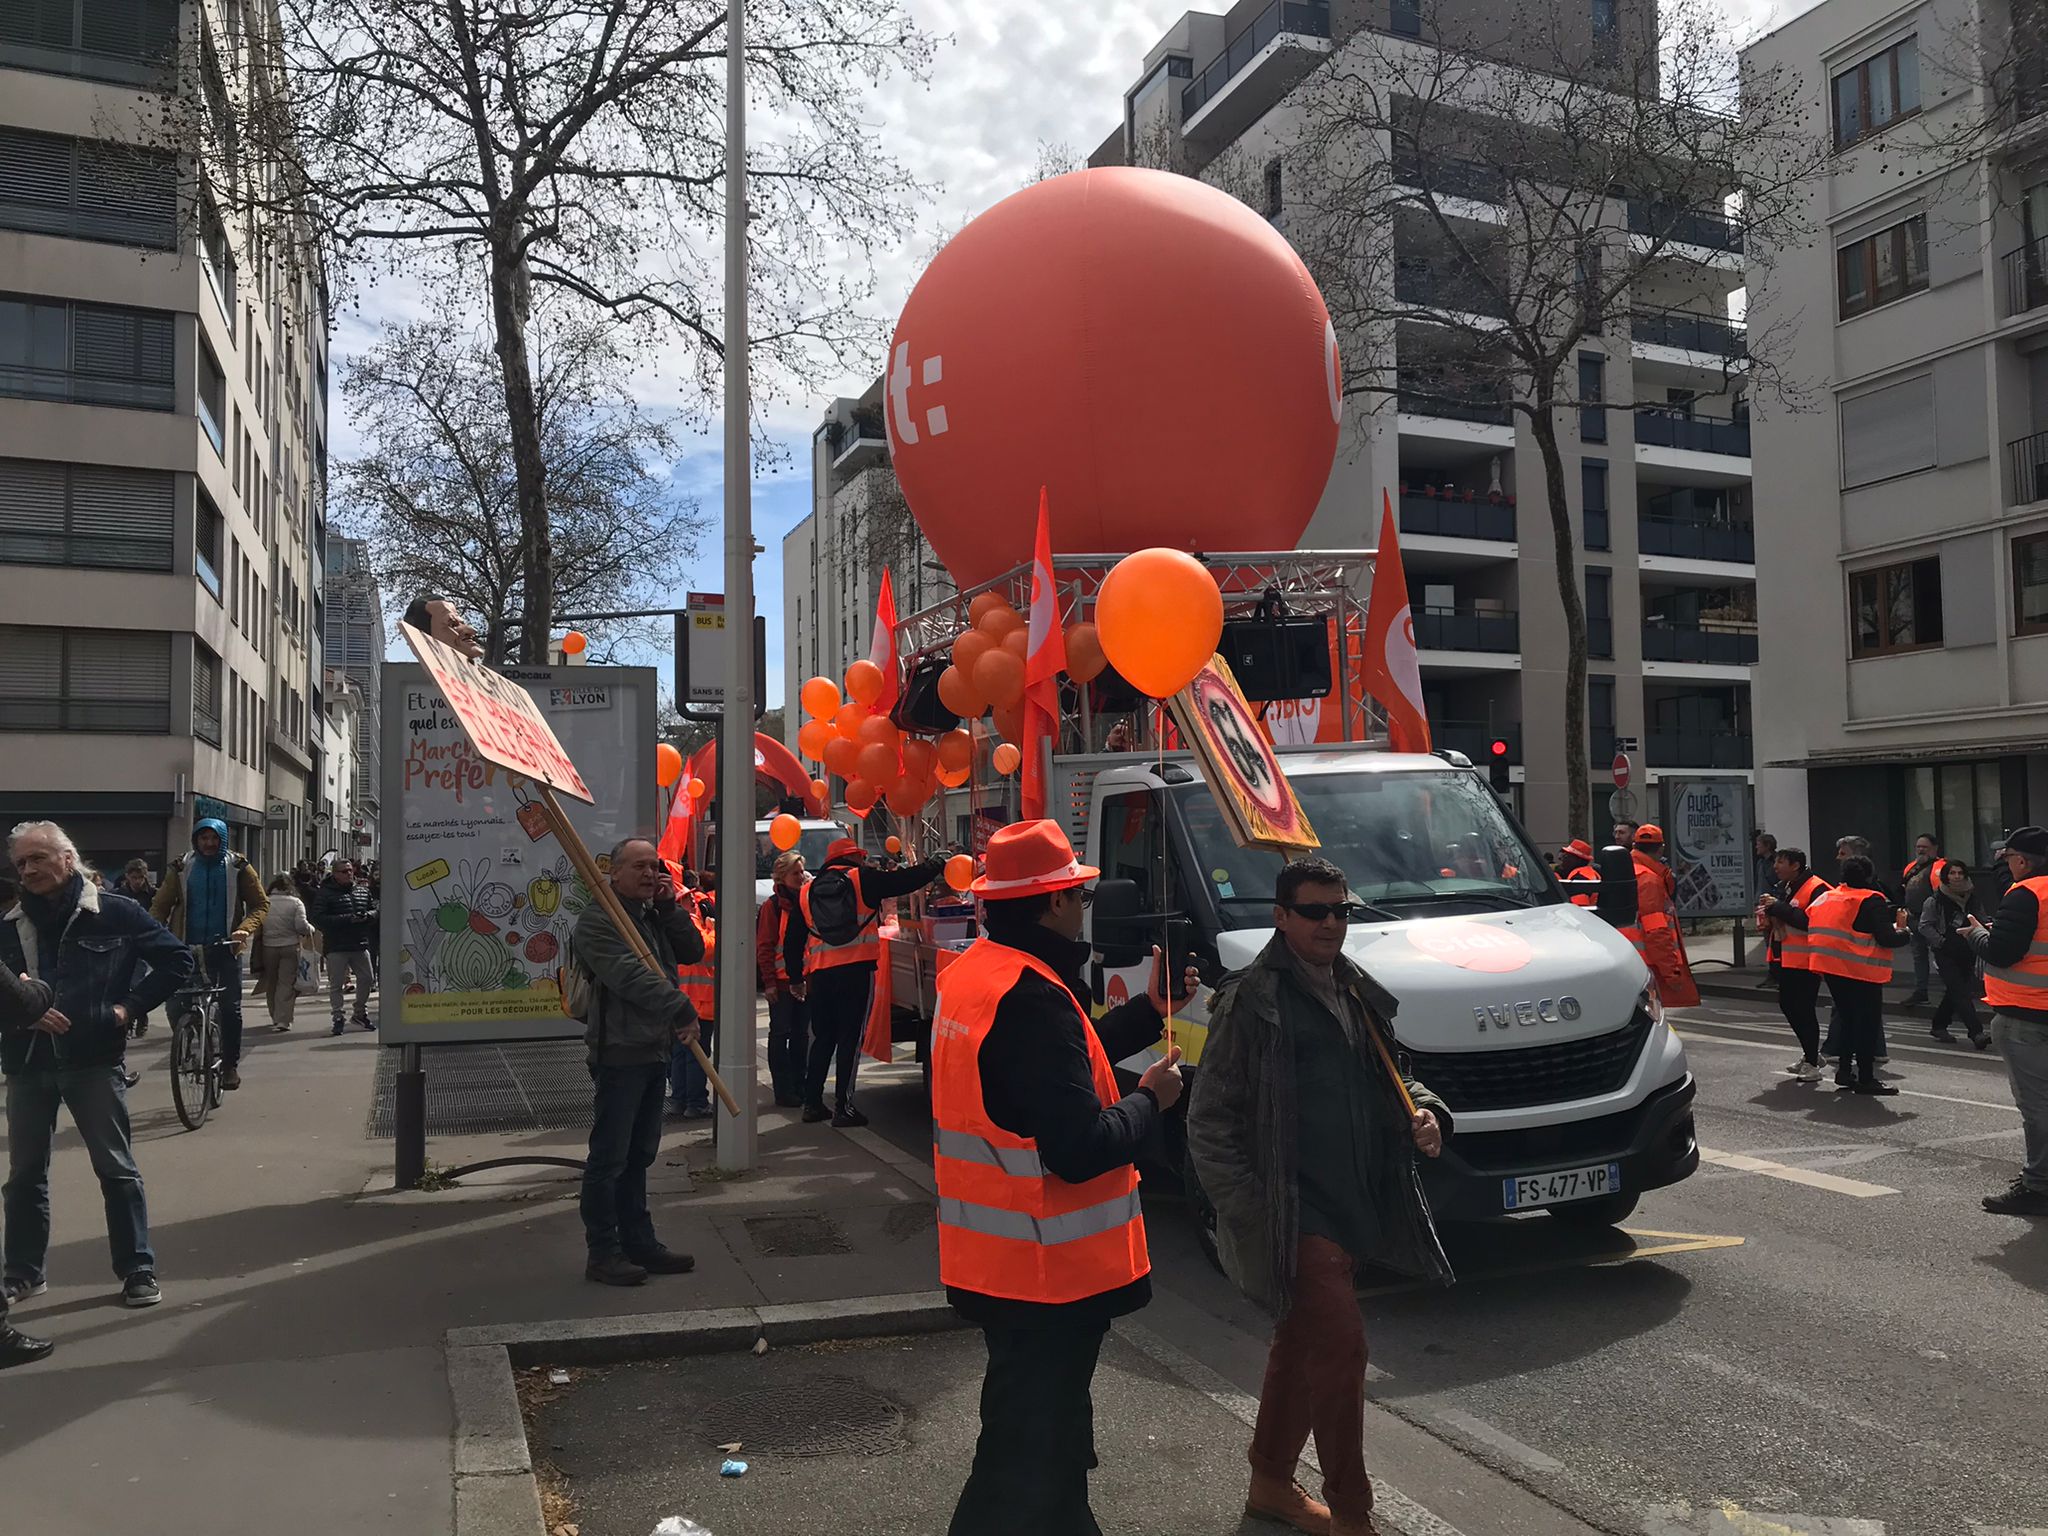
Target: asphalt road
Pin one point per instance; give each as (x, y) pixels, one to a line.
(1820, 1332)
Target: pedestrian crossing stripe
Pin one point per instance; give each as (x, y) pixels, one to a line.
(1731, 1519)
(1666, 1243)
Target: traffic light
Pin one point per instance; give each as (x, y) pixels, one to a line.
(1497, 765)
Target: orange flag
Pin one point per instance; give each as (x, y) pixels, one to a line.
(1045, 658)
(882, 651)
(1392, 674)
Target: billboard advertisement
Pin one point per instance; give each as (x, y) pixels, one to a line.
(1706, 831)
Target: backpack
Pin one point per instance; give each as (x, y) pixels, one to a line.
(579, 987)
(832, 907)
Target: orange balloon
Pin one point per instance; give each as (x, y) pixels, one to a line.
(1058, 385)
(847, 718)
(784, 831)
(960, 872)
(968, 649)
(864, 682)
(984, 604)
(951, 778)
(905, 797)
(696, 789)
(959, 694)
(880, 728)
(575, 643)
(812, 737)
(1006, 759)
(918, 757)
(1085, 660)
(999, 677)
(860, 796)
(840, 756)
(876, 762)
(820, 790)
(892, 844)
(819, 698)
(1017, 643)
(1160, 618)
(668, 764)
(998, 622)
(1010, 722)
(956, 751)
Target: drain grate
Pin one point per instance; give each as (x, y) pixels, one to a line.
(796, 1237)
(533, 1086)
(820, 1416)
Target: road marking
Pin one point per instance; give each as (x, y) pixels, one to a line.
(1674, 1242)
(1834, 1183)
(1478, 1429)
(1963, 1141)
(1731, 1519)
(2007, 1530)
(1946, 1098)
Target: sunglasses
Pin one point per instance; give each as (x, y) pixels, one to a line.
(1323, 911)
(1084, 895)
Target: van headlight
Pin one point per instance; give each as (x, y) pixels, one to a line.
(1651, 1004)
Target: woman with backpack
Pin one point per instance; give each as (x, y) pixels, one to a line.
(284, 926)
(1944, 921)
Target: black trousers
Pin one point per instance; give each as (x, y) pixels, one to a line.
(1958, 995)
(625, 1139)
(789, 1042)
(1797, 993)
(838, 999)
(1862, 1025)
(1037, 1442)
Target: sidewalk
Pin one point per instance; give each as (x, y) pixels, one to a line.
(1716, 978)
(294, 1378)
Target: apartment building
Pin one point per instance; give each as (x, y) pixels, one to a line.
(1904, 677)
(163, 438)
(1658, 475)
(355, 650)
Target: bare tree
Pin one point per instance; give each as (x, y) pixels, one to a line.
(437, 491)
(1495, 219)
(576, 146)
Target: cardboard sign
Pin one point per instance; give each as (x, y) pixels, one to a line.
(501, 719)
(1259, 806)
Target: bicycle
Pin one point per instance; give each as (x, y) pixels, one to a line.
(195, 1048)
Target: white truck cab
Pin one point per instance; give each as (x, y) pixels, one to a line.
(813, 838)
(1535, 1021)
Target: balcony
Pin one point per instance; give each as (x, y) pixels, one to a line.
(1449, 176)
(1475, 738)
(1436, 397)
(2027, 458)
(1282, 18)
(1699, 434)
(1697, 749)
(1465, 629)
(2026, 277)
(1439, 285)
(1685, 226)
(864, 435)
(1696, 539)
(1699, 646)
(1690, 332)
(1454, 514)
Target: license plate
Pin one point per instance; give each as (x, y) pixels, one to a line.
(1538, 1189)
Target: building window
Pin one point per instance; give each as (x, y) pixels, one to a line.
(1888, 432)
(1600, 713)
(132, 42)
(205, 694)
(1604, 26)
(1592, 390)
(1593, 498)
(1877, 93)
(1896, 607)
(1599, 612)
(1883, 268)
(110, 680)
(51, 184)
(1404, 17)
(85, 515)
(86, 354)
(1275, 187)
(218, 258)
(2030, 584)
(210, 400)
(209, 537)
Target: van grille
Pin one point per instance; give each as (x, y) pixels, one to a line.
(1536, 1074)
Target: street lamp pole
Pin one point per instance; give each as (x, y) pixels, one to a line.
(736, 1133)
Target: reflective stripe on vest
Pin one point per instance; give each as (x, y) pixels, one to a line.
(2024, 983)
(1795, 947)
(1834, 947)
(1007, 1226)
(866, 946)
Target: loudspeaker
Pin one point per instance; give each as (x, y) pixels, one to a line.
(920, 708)
(1279, 656)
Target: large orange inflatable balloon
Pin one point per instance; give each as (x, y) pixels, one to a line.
(1159, 616)
(1113, 280)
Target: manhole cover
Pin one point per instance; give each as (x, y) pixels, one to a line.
(820, 1416)
(796, 1237)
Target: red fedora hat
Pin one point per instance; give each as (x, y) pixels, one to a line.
(1030, 858)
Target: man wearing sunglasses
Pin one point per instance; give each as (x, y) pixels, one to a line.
(1305, 1150)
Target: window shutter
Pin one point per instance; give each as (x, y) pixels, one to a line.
(121, 517)
(117, 680)
(122, 356)
(1888, 432)
(44, 23)
(35, 181)
(128, 194)
(32, 512)
(32, 681)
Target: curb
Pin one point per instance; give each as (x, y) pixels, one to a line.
(1716, 986)
(495, 1493)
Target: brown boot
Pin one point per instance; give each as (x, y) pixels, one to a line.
(1289, 1503)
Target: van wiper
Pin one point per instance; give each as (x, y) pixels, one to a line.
(1380, 914)
(1511, 898)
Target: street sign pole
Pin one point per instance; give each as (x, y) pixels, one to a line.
(736, 1133)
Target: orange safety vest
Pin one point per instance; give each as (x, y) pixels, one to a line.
(1008, 1227)
(1796, 946)
(866, 946)
(1834, 947)
(1585, 898)
(772, 961)
(1934, 873)
(700, 981)
(2024, 984)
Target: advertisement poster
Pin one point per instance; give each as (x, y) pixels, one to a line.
(478, 897)
(1707, 833)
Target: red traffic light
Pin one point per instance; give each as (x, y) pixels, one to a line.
(1499, 748)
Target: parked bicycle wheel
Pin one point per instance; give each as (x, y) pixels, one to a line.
(189, 1076)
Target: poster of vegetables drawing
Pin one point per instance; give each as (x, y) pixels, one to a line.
(478, 896)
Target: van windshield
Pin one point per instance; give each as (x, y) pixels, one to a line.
(1412, 843)
(811, 844)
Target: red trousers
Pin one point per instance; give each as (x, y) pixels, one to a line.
(1315, 1382)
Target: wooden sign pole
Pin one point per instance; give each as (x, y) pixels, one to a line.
(601, 888)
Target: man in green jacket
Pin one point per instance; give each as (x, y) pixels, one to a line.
(1302, 1144)
(638, 1018)
(213, 900)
